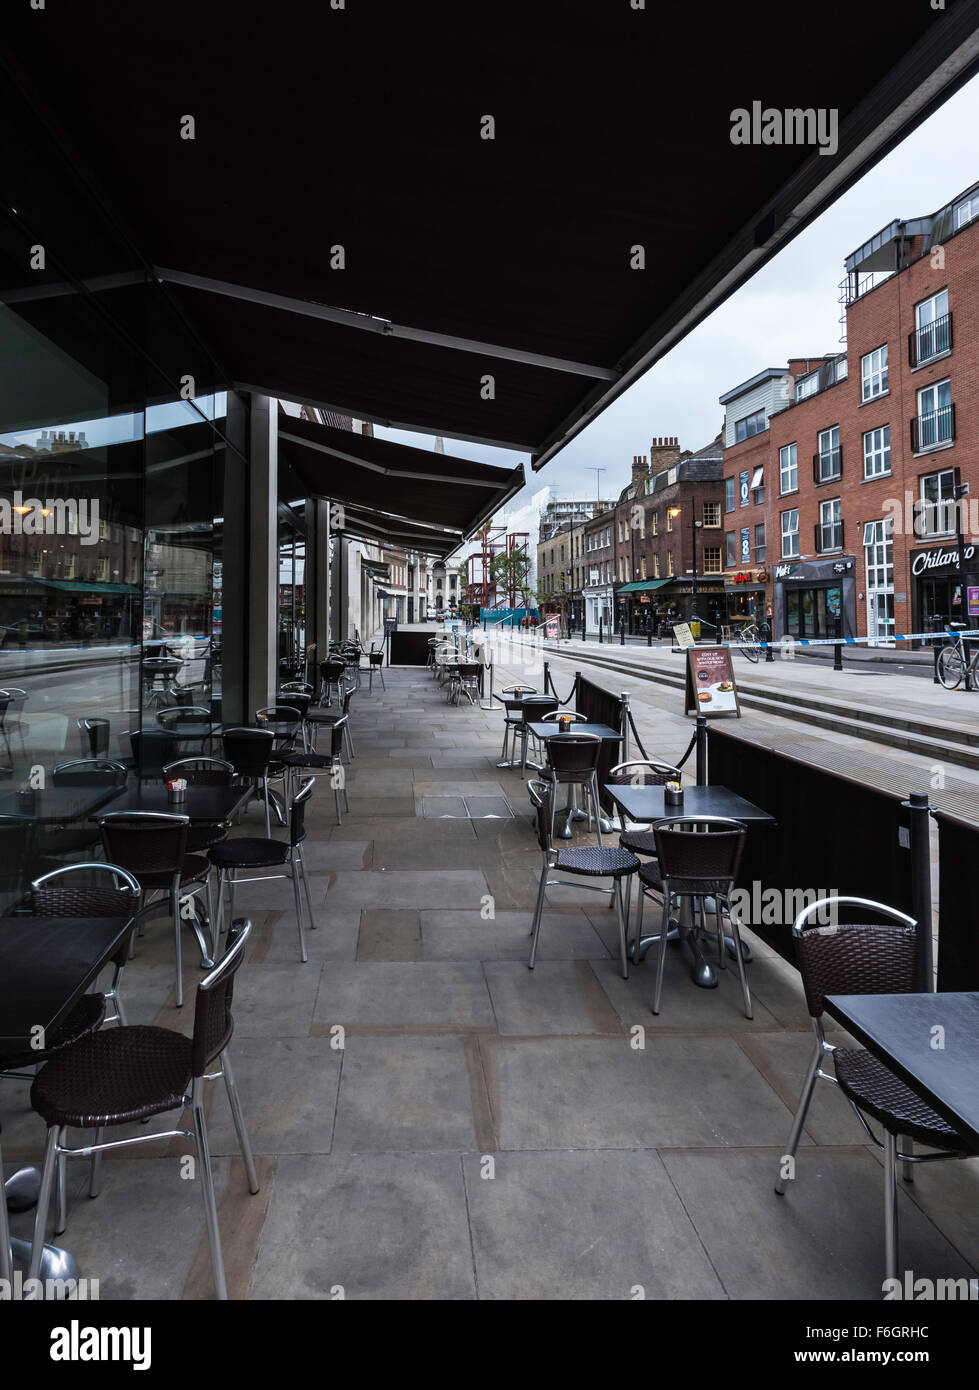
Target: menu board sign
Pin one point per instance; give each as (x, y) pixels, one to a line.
(711, 687)
(551, 627)
(683, 635)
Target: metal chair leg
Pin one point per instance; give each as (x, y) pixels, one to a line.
(799, 1119)
(44, 1201)
(175, 914)
(745, 992)
(207, 1189)
(95, 1176)
(6, 1259)
(664, 932)
(268, 822)
(890, 1205)
(593, 789)
(61, 1205)
(293, 865)
(621, 917)
(637, 939)
(535, 925)
(305, 876)
(235, 1103)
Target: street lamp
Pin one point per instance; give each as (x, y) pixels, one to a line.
(694, 526)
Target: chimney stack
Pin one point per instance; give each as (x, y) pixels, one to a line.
(640, 468)
(664, 453)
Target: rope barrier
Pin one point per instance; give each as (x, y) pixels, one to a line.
(635, 735)
(690, 747)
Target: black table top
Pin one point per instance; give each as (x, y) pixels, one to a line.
(513, 699)
(188, 729)
(57, 805)
(46, 965)
(550, 728)
(202, 804)
(649, 804)
(899, 1029)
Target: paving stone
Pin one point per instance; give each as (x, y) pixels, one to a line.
(404, 1093)
(557, 996)
(389, 934)
(400, 996)
(408, 888)
(466, 935)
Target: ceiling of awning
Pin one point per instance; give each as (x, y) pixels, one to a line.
(466, 257)
(420, 488)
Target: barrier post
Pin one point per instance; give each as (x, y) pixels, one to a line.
(701, 750)
(919, 816)
(547, 676)
(624, 697)
(838, 657)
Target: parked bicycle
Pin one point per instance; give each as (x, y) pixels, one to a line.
(749, 633)
(954, 660)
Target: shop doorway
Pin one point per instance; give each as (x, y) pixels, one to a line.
(814, 612)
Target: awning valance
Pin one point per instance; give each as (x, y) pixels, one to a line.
(643, 586)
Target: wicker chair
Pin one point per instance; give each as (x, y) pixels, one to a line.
(153, 848)
(251, 753)
(590, 861)
(697, 857)
(866, 959)
(318, 718)
(532, 711)
(375, 662)
(248, 852)
(512, 718)
(331, 677)
(129, 1074)
(573, 762)
(312, 765)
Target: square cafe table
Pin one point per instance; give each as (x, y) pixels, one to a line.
(46, 965)
(899, 1030)
(205, 804)
(648, 804)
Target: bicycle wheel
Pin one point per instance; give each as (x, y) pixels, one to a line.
(752, 653)
(951, 667)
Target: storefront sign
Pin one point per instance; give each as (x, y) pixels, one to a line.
(939, 558)
(973, 600)
(745, 545)
(682, 635)
(710, 686)
(785, 571)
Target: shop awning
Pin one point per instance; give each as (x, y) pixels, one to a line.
(417, 486)
(381, 209)
(643, 586)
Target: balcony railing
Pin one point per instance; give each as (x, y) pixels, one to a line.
(935, 428)
(930, 340)
(827, 466)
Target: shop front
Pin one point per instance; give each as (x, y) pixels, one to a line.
(745, 598)
(637, 605)
(941, 594)
(598, 608)
(815, 598)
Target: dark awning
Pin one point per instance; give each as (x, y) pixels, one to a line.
(358, 133)
(418, 486)
(642, 586)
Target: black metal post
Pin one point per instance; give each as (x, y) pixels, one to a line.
(701, 750)
(766, 636)
(621, 629)
(838, 657)
(547, 676)
(960, 491)
(600, 638)
(649, 637)
(919, 815)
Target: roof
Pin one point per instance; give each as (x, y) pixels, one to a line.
(766, 374)
(424, 258)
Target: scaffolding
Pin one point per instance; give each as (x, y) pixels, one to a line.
(483, 590)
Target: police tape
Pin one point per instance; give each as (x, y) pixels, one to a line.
(934, 637)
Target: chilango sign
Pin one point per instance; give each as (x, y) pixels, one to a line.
(938, 558)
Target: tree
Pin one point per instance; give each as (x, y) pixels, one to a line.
(510, 572)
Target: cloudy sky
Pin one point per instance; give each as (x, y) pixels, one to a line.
(789, 309)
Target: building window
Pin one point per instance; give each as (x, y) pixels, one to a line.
(807, 386)
(788, 468)
(966, 210)
(828, 463)
(642, 567)
(873, 373)
(729, 494)
(877, 452)
(937, 511)
(750, 425)
(656, 567)
(669, 519)
(790, 533)
(830, 525)
(654, 518)
(758, 485)
(935, 424)
(879, 551)
(730, 549)
(712, 559)
(759, 543)
(669, 562)
(932, 329)
(712, 513)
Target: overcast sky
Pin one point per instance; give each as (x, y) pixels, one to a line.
(789, 309)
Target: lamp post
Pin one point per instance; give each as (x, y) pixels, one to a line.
(694, 526)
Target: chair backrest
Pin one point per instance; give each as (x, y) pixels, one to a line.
(248, 750)
(644, 772)
(213, 1024)
(332, 670)
(710, 859)
(574, 753)
(540, 796)
(297, 816)
(297, 688)
(854, 958)
(534, 707)
(469, 670)
(145, 842)
(201, 772)
(555, 714)
(182, 714)
(294, 699)
(94, 735)
(152, 748)
(89, 772)
(519, 690)
(70, 892)
(336, 736)
(347, 695)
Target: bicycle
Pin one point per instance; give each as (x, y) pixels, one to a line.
(954, 661)
(749, 633)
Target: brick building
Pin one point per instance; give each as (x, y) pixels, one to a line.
(599, 572)
(858, 465)
(554, 570)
